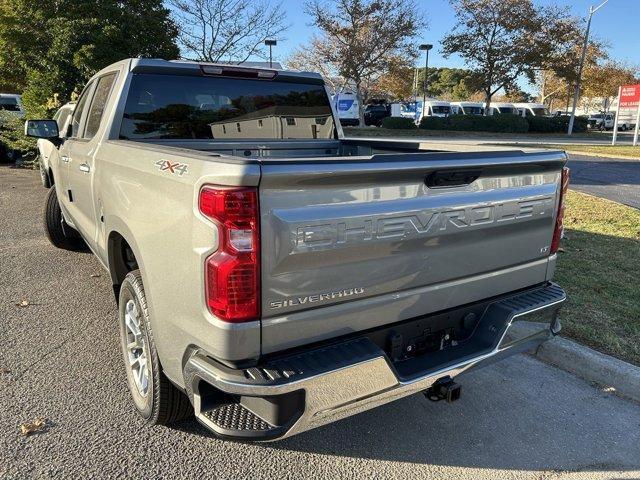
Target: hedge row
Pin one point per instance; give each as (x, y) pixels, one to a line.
(398, 123)
(12, 140)
(556, 124)
(504, 123)
(477, 123)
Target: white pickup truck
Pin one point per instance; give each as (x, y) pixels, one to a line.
(606, 121)
(273, 276)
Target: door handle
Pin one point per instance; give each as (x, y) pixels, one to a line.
(83, 167)
(65, 159)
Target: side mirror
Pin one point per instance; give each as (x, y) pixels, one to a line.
(47, 129)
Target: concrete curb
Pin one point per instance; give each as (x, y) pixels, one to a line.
(584, 362)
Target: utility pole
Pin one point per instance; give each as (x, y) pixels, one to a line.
(270, 43)
(585, 45)
(426, 47)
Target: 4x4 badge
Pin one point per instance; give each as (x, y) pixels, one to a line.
(172, 167)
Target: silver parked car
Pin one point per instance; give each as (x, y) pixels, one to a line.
(10, 102)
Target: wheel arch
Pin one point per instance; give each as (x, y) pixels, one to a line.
(123, 256)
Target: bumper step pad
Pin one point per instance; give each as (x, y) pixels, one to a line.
(317, 361)
(535, 299)
(233, 417)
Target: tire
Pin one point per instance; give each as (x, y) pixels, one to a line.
(58, 232)
(623, 127)
(156, 399)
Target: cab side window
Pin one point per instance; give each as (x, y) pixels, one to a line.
(61, 118)
(98, 104)
(77, 114)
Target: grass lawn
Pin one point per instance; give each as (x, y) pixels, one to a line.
(618, 150)
(599, 268)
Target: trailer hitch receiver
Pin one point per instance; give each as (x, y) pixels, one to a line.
(444, 389)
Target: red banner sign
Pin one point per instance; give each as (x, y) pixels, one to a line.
(629, 96)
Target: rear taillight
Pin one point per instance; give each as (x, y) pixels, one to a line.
(232, 273)
(559, 229)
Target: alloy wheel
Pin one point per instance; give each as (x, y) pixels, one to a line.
(136, 349)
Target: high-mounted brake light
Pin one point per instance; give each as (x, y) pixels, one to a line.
(230, 71)
(559, 228)
(232, 273)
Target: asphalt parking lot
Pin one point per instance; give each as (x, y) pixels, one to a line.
(613, 178)
(60, 356)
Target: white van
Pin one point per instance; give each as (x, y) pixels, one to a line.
(403, 109)
(432, 108)
(348, 108)
(467, 108)
(497, 108)
(532, 110)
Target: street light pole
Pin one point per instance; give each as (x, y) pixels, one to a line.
(426, 47)
(270, 43)
(585, 45)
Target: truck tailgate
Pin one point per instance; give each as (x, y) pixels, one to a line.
(357, 243)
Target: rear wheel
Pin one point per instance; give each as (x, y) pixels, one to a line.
(59, 233)
(157, 400)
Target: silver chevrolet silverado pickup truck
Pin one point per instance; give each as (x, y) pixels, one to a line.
(272, 275)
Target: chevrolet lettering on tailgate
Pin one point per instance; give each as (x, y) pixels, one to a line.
(336, 232)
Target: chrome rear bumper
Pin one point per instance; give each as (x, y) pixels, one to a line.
(306, 390)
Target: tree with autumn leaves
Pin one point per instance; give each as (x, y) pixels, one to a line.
(49, 49)
(360, 41)
(601, 77)
(507, 40)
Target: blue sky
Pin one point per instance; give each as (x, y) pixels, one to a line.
(618, 23)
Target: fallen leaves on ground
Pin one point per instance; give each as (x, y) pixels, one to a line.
(38, 425)
(23, 304)
(95, 275)
(4, 370)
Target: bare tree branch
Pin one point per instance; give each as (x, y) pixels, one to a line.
(227, 30)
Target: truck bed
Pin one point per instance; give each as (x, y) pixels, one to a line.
(265, 151)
